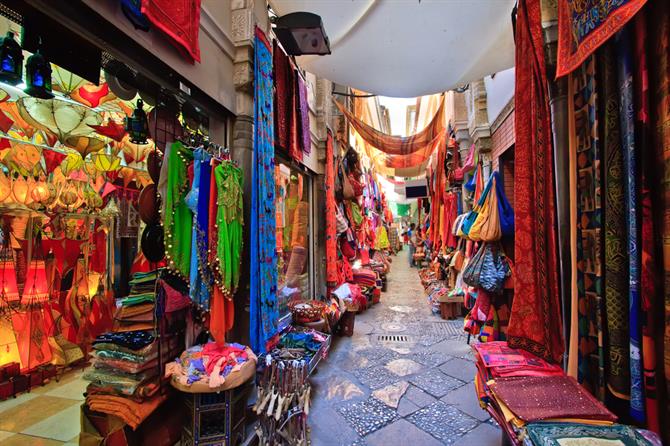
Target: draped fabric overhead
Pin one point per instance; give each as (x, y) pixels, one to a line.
(398, 145)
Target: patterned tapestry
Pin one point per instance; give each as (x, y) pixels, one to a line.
(535, 323)
(584, 25)
(630, 161)
(331, 212)
(263, 280)
(660, 95)
(589, 224)
(616, 255)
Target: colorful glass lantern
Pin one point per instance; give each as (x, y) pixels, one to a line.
(137, 125)
(9, 292)
(36, 288)
(38, 76)
(11, 60)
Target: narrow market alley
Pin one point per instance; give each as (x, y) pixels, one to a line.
(405, 373)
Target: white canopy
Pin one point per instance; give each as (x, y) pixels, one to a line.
(406, 48)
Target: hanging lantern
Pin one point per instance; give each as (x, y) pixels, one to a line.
(11, 60)
(137, 125)
(9, 292)
(38, 76)
(36, 288)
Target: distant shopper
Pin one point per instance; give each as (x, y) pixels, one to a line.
(412, 234)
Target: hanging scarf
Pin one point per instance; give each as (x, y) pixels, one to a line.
(282, 99)
(660, 87)
(178, 217)
(179, 20)
(589, 261)
(584, 26)
(331, 213)
(627, 118)
(202, 233)
(649, 270)
(305, 134)
(192, 201)
(535, 323)
(230, 220)
(617, 359)
(263, 280)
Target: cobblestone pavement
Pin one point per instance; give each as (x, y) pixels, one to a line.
(404, 378)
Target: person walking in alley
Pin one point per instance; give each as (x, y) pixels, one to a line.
(412, 234)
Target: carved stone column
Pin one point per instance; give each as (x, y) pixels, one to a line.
(243, 22)
(478, 123)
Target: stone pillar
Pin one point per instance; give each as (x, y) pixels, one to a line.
(243, 22)
(460, 125)
(478, 123)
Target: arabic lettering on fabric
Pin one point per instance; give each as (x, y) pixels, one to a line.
(535, 323)
(263, 274)
(178, 219)
(630, 161)
(558, 434)
(616, 256)
(585, 26)
(589, 262)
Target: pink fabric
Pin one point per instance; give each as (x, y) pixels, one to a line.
(180, 20)
(219, 355)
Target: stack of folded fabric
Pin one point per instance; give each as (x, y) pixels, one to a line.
(125, 374)
(136, 311)
(536, 404)
(365, 277)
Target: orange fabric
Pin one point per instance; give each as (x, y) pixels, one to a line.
(222, 315)
(131, 412)
(398, 145)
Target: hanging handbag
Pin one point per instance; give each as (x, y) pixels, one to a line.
(472, 272)
(505, 210)
(494, 270)
(457, 224)
(341, 221)
(347, 189)
(490, 229)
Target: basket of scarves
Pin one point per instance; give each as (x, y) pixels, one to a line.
(305, 312)
(212, 368)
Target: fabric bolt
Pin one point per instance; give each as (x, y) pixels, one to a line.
(178, 219)
(585, 26)
(535, 323)
(331, 215)
(589, 228)
(630, 162)
(616, 255)
(660, 94)
(133, 340)
(179, 20)
(131, 412)
(559, 434)
(263, 280)
(649, 270)
(534, 398)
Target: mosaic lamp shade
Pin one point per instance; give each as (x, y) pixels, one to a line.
(9, 292)
(36, 289)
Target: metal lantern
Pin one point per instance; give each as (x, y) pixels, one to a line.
(137, 125)
(38, 76)
(11, 60)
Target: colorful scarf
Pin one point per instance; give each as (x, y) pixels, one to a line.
(179, 20)
(535, 323)
(178, 219)
(627, 118)
(305, 134)
(282, 99)
(589, 262)
(202, 222)
(585, 25)
(263, 280)
(617, 359)
(660, 87)
(331, 212)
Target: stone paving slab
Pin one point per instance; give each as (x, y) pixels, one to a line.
(443, 421)
(376, 376)
(435, 382)
(367, 416)
(400, 432)
(460, 368)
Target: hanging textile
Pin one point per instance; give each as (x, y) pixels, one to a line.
(296, 141)
(649, 271)
(282, 99)
(179, 20)
(305, 134)
(589, 261)
(535, 322)
(229, 221)
(627, 122)
(196, 286)
(616, 255)
(205, 279)
(331, 213)
(398, 145)
(178, 219)
(660, 88)
(585, 26)
(263, 274)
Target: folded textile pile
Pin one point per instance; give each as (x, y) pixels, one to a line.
(365, 277)
(131, 412)
(136, 311)
(211, 365)
(536, 404)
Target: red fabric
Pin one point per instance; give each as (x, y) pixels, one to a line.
(98, 259)
(535, 323)
(31, 337)
(598, 20)
(295, 149)
(283, 89)
(331, 224)
(52, 159)
(180, 20)
(216, 352)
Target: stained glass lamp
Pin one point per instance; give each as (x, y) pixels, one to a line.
(11, 60)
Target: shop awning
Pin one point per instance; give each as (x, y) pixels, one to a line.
(407, 48)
